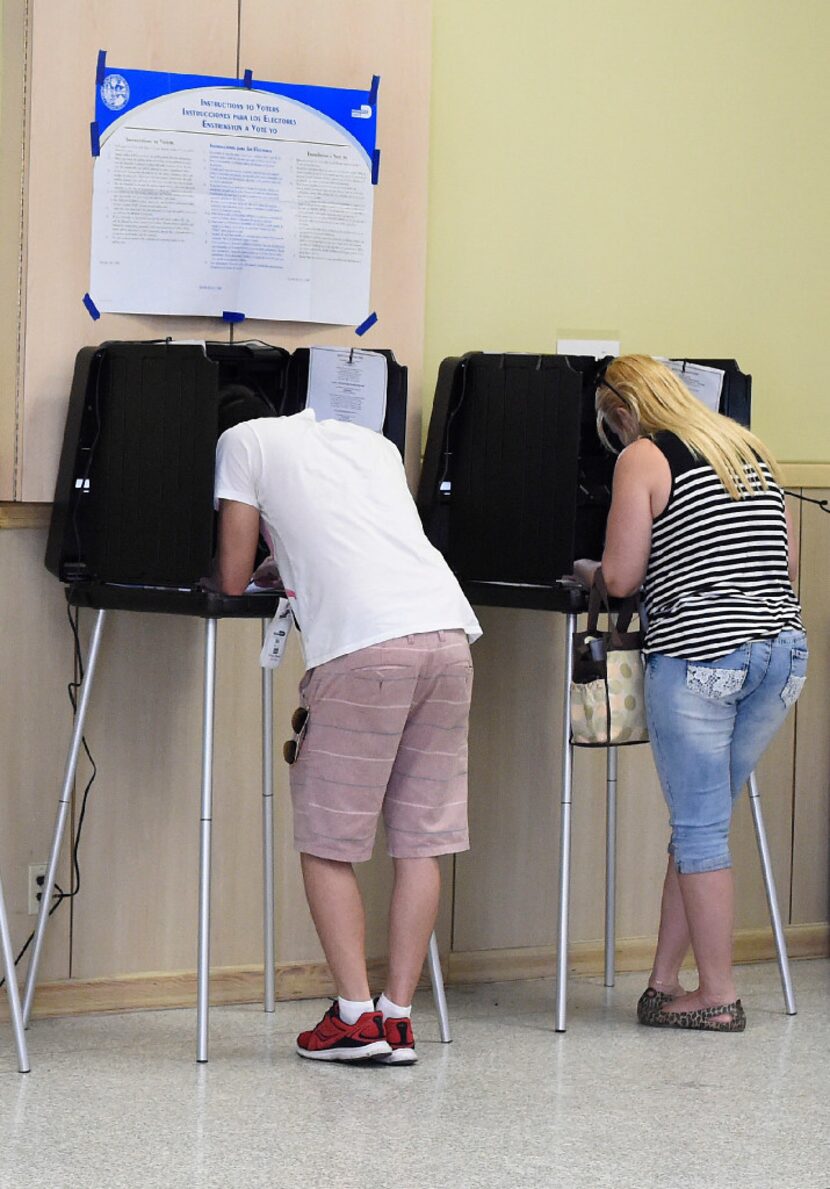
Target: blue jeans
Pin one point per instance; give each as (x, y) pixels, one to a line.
(709, 723)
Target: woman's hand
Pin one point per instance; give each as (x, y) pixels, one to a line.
(585, 571)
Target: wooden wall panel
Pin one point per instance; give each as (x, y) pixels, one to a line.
(811, 835)
(176, 35)
(14, 47)
(138, 910)
(35, 725)
(775, 781)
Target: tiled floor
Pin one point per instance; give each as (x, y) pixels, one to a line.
(118, 1100)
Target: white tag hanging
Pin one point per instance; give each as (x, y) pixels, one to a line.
(276, 635)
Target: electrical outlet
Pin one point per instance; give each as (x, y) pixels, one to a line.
(37, 872)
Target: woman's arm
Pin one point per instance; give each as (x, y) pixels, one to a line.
(642, 484)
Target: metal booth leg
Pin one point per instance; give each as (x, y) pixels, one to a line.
(565, 836)
(205, 827)
(438, 993)
(610, 866)
(63, 811)
(268, 831)
(11, 988)
(772, 897)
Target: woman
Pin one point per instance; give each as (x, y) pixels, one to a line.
(698, 517)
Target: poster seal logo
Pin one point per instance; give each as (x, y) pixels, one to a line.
(115, 92)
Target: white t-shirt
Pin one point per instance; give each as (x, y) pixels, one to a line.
(345, 532)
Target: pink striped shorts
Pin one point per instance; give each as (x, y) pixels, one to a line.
(386, 732)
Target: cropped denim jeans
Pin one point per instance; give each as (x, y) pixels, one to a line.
(709, 723)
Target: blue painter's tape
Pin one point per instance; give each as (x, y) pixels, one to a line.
(248, 79)
(367, 325)
(92, 308)
(232, 316)
(375, 166)
(94, 141)
(373, 90)
(101, 67)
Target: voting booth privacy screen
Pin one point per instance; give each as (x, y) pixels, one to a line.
(134, 494)
(516, 484)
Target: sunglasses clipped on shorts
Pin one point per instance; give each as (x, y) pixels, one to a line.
(299, 723)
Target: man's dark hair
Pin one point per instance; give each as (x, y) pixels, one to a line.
(238, 402)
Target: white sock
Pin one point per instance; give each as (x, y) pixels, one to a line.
(352, 1009)
(393, 1010)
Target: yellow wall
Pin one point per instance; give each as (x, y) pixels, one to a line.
(650, 169)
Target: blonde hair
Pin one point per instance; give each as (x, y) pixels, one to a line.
(658, 400)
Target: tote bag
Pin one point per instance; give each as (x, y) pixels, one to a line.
(607, 698)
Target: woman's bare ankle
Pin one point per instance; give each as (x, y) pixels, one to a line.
(670, 985)
(714, 997)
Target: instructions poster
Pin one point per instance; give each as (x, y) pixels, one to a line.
(212, 196)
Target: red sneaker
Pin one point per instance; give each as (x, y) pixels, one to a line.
(332, 1040)
(401, 1041)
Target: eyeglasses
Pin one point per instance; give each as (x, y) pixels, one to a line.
(600, 380)
(299, 725)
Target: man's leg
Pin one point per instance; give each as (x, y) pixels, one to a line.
(357, 707)
(351, 1029)
(425, 813)
(336, 905)
(412, 914)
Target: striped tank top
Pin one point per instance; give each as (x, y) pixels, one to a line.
(717, 574)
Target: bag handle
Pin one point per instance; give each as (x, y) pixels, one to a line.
(600, 600)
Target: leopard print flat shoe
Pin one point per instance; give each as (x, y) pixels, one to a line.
(703, 1019)
(650, 1002)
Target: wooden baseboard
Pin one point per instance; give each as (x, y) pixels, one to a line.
(806, 474)
(311, 980)
(149, 992)
(632, 953)
(25, 515)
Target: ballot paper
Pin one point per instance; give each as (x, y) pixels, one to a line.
(706, 383)
(345, 384)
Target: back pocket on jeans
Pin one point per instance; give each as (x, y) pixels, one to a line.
(710, 681)
(798, 675)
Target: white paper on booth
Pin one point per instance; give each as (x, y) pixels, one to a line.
(347, 385)
(706, 383)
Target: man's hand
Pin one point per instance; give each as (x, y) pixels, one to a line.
(236, 552)
(267, 576)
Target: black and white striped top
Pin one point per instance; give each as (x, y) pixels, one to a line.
(717, 575)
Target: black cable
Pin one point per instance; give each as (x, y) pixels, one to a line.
(72, 690)
(82, 485)
(824, 505)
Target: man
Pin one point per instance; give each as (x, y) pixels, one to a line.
(385, 699)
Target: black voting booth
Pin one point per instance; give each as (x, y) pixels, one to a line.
(516, 486)
(133, 529)
(516, 483)
(134, 495)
